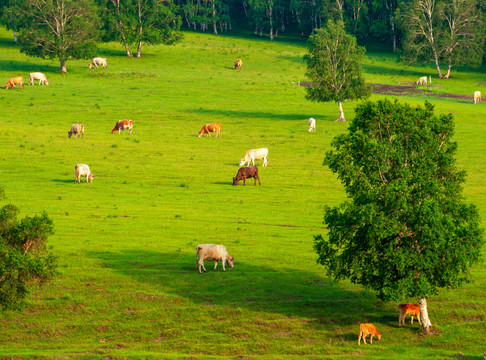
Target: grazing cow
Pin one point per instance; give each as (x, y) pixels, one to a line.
(255, 154)
(246, 173)
(38, 76)
(422, 81)
(405, 309)
(312, 125)
(82, 170)
(365, 329)
(477, 97)
(97, 61)
(76, 129)
(212, 252)
(209, 128)
(123, 125)
(238, 64)
(15, 81)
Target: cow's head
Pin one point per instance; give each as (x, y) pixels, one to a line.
(90, 177)
(242, 162)
(235, 181)
(230, 261)
(69, 133)
(114, 130)
(46, 82)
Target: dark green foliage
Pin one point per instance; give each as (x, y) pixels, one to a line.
(140, 22)
(66, 29)
(407, 230)
(24, 259)
(333, 65)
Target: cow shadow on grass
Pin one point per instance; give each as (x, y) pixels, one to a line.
(258, 287)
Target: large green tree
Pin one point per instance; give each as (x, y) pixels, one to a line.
(406, 230)
(24, 258)
(59, 29)
(333, 65)
(449, 32)
(136, 23)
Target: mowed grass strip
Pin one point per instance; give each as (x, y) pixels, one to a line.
(128, 285)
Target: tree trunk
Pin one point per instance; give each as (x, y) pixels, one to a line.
(129, 53)
(341, 113)
(139, 50)
(214, 18)
(448, 71)
(424, 316)
(15, 36)
(63, 66)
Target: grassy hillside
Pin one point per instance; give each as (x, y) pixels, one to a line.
(128, 286)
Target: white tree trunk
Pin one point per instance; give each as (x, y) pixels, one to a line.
(63, 66)
(424, 316)
(341, 113)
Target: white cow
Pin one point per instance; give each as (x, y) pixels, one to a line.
(38, 76)
(97, 61)
(312, 125)
(422, 81)
(215, 253)
(82, 170)
(255, 154)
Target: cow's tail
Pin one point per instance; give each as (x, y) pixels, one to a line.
(197, 256)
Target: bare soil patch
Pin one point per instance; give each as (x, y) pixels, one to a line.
(406, 89)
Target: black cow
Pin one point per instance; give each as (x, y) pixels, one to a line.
(246, 172)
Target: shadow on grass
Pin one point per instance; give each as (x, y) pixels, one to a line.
(227, 183)
(24, 66)
(251, 114)
(65, 181)
(382, 70)
(254, 286)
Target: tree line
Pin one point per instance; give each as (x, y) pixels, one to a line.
(446, 32)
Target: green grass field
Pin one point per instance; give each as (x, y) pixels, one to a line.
(128, 285)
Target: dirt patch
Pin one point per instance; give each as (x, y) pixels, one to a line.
(406, 89)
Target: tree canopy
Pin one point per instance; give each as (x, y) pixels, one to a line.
(407, 230)
(24, 258)
(333, 65)
(60, 29)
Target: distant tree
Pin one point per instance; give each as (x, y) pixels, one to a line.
(59, 29)
(449, 31)
(141, 22)
(24, 259)
(406, 231)
(333, 65)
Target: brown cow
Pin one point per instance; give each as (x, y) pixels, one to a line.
(76, 129)
(246, 172)
(123, 125)
(215, 253)
(209, 128)
(405, 309)
(15, 81)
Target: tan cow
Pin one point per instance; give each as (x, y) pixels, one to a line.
(209, 128)
(15, 81)
(408, 309)
(214, 253)
(477, 97)
(123, 125)
(77, 129)
(98, 61)
(38, 76)
(238, 64)
(255, 154)
(422, 81)
(82, 170)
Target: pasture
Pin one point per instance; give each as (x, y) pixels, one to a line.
(128, 285)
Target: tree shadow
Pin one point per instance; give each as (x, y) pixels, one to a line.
(382, 70)
(24, 66)
(227, 183)
(254, 114)
(258, 287)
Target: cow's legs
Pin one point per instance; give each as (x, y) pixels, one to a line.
(244, 181)
(216, 265)
(223, 261)
(201, 264)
